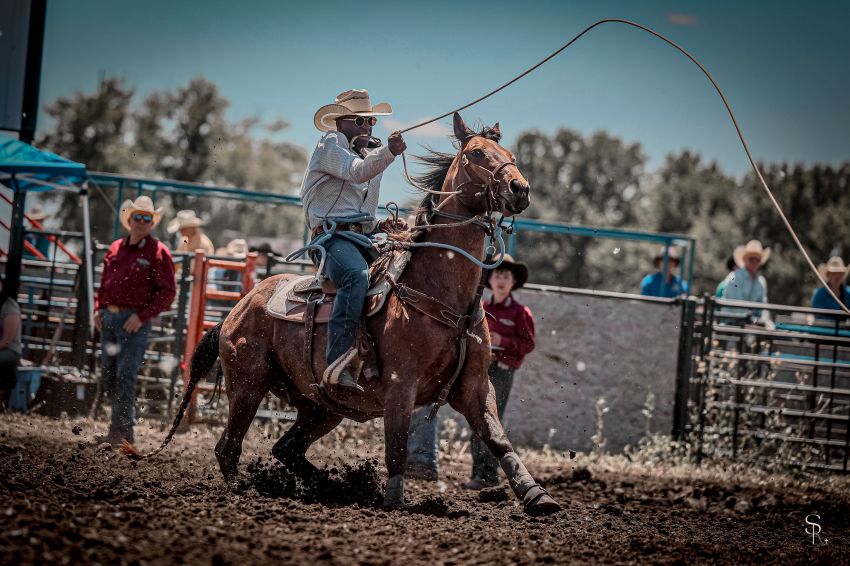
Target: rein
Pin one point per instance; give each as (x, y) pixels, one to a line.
(694, 60)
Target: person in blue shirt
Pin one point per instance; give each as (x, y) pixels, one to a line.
(747, 283)
(38, 241)
(835, 273)
(656, 285)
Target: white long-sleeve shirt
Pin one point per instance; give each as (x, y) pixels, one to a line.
(338, 183)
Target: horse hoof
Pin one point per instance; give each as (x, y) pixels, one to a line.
(539, 503)
(394, 496)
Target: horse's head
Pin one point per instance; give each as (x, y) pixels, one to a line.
(486, 173)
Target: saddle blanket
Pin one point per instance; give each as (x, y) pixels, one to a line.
(290, 297)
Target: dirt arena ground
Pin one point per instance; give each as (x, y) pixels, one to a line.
(66, 500)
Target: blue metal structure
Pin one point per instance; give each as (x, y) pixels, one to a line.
(130, 185)
(25, 168)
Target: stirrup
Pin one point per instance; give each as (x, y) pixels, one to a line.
(348, 381)
(331, 375)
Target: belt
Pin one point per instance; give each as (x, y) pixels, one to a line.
(114, 309)
(503, 365)
(340, 227)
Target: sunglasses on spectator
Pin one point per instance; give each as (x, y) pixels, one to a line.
(142, 217)
(362, 120)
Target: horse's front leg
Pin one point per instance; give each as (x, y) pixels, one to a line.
(475, 399)
(398, 408)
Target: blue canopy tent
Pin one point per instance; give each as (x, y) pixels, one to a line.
(24, 168)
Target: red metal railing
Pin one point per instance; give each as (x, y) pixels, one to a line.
(198, 323)
(38, 226)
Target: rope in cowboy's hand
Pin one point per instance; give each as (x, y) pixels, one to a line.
(758, 173)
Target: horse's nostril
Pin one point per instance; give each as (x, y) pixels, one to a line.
(518, 188)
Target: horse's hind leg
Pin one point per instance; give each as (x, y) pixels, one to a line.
(312, 423)
(476, 400)
(244, 399)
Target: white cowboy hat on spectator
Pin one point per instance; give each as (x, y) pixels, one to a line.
(37, 213)
(143, 204)
(753, 248)
(237, 248)
(184, 219)
(834, 265)
(350, 102)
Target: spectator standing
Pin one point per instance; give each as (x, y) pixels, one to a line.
(10, 344)
(137, 284)
(264, 250)
(730, 267)
(38, 241)
(746, 283)
(835, 273)
(657, 284)
(191, 236)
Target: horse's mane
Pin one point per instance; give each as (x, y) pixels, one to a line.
(437, 166)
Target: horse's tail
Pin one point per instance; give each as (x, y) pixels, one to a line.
(203, 359)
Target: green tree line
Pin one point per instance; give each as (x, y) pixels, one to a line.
(596, 180)
(183, 135)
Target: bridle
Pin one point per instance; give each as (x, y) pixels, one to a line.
(492, 185)
(492, 191)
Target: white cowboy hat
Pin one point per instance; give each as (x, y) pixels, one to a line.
(753, 247)
(834, 265)
(237, 248)
(184, 219)
(355, 101)
(142, 204)
(37, 213)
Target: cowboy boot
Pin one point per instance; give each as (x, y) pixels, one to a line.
(343, 370)
(348, 381)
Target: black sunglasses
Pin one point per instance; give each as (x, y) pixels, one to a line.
(142, 217)
(362, 120)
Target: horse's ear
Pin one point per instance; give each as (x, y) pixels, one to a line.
(496, 131)
(461, 131)
(493, 133)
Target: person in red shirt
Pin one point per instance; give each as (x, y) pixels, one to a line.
(511, 326)
(137, 284)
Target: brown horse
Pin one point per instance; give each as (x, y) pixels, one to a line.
(417, 354)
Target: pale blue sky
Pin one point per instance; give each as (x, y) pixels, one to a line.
(784, 66)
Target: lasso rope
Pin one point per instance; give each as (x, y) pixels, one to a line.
(725, 102)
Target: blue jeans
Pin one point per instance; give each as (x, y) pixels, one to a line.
(122, 356)
(347, 268)
(485, 466)
(422, 442)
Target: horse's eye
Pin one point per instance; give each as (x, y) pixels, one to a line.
(477, 153)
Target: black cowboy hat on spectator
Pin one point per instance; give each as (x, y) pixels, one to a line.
(264, 248)
(519, 270)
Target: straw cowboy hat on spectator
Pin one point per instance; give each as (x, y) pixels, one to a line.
(834, 265)
(237, 248)
(144, 205)
(350, 102)
(184, 219)
(753, 248)
(37, 213)
(519, 270)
